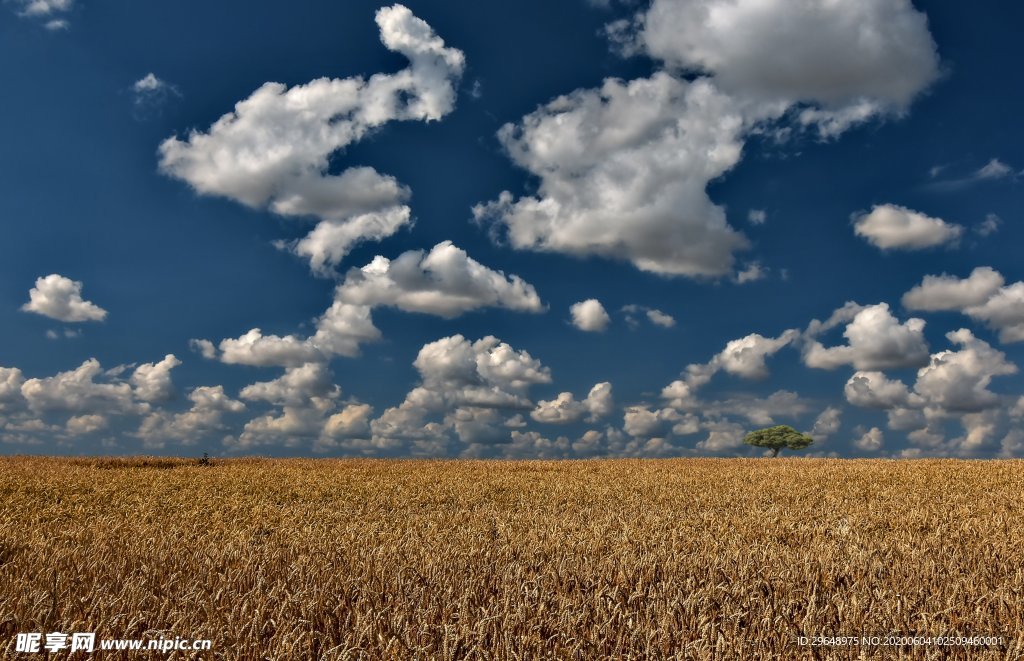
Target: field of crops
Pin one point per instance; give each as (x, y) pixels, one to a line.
(693, 558)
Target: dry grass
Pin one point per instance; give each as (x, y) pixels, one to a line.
(302, 559)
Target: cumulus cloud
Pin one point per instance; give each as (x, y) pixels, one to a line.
(464, 386)
(445, 282)
(752, 273)
(871, 440)
(341, 331)
(565, 408)
(77, 391)
(205, 416)
(757, 216)
(273, 150)
(981, 296)
(841, 56)
(296, 387)
(953, 385)
(892, 227)
(947, 292)
(877, 340)
(152, 381)
(746, 356)
(826, 424)
(623, 171)
(589, 316)
(60, 298)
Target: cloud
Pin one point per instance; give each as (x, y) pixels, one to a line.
(892, 227)
(273, 150)
(60, 298)
(989, 226)
(959, 380)
(872, 389)
(565, 409)
(205, 416)
(871, 440)
(623, 171)
(296, 387)
(947, 292)
(752, 273)
(653, 315)
(445, 282)
(757, 216)
(77, 391)
(589, 316)
(827, 424)
(746, 356)
(873, 54)
(953, 385)
(152, 381)
(43, 7)
(994, 169)
(877, 340)
(150, 94)
(464, 388)
(981, 296)
(57, 24)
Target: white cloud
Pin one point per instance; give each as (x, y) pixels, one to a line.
(152, 381)
(989, 226)
(877, 340)
(842, 56)
(871, 440)
(296, 387)
(81, 425)
(76, 391)
(57, 24)
(273, 150)
(959, 380)
(757, 216)
(623, 171)
(752, 273)
(871, 389)
(642, 422)
(60, 298)
(946, 292)
(209, 404)
(351, 422)
(341, 331)
(445, 282)
(981, 296)
(746, 356)
(11, 380)
(827, 424)
(149, 94)
(994, 169)
(565, 409)
(589, 316)
(467, 385)
(42, 8)
(892, 227)
(659, 318)
(653, 315)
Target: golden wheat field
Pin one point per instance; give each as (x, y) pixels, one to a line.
(691, 558)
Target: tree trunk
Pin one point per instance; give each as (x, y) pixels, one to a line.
(775, 452)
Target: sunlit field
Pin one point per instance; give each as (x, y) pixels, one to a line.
(694, 558)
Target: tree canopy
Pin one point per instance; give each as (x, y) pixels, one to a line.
(778, 437)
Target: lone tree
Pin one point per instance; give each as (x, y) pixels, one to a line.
(778, 437)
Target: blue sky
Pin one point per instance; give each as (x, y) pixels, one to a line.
(510, 230)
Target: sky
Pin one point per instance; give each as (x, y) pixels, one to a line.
(510, 230)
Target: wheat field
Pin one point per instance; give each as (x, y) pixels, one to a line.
(690, 558)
